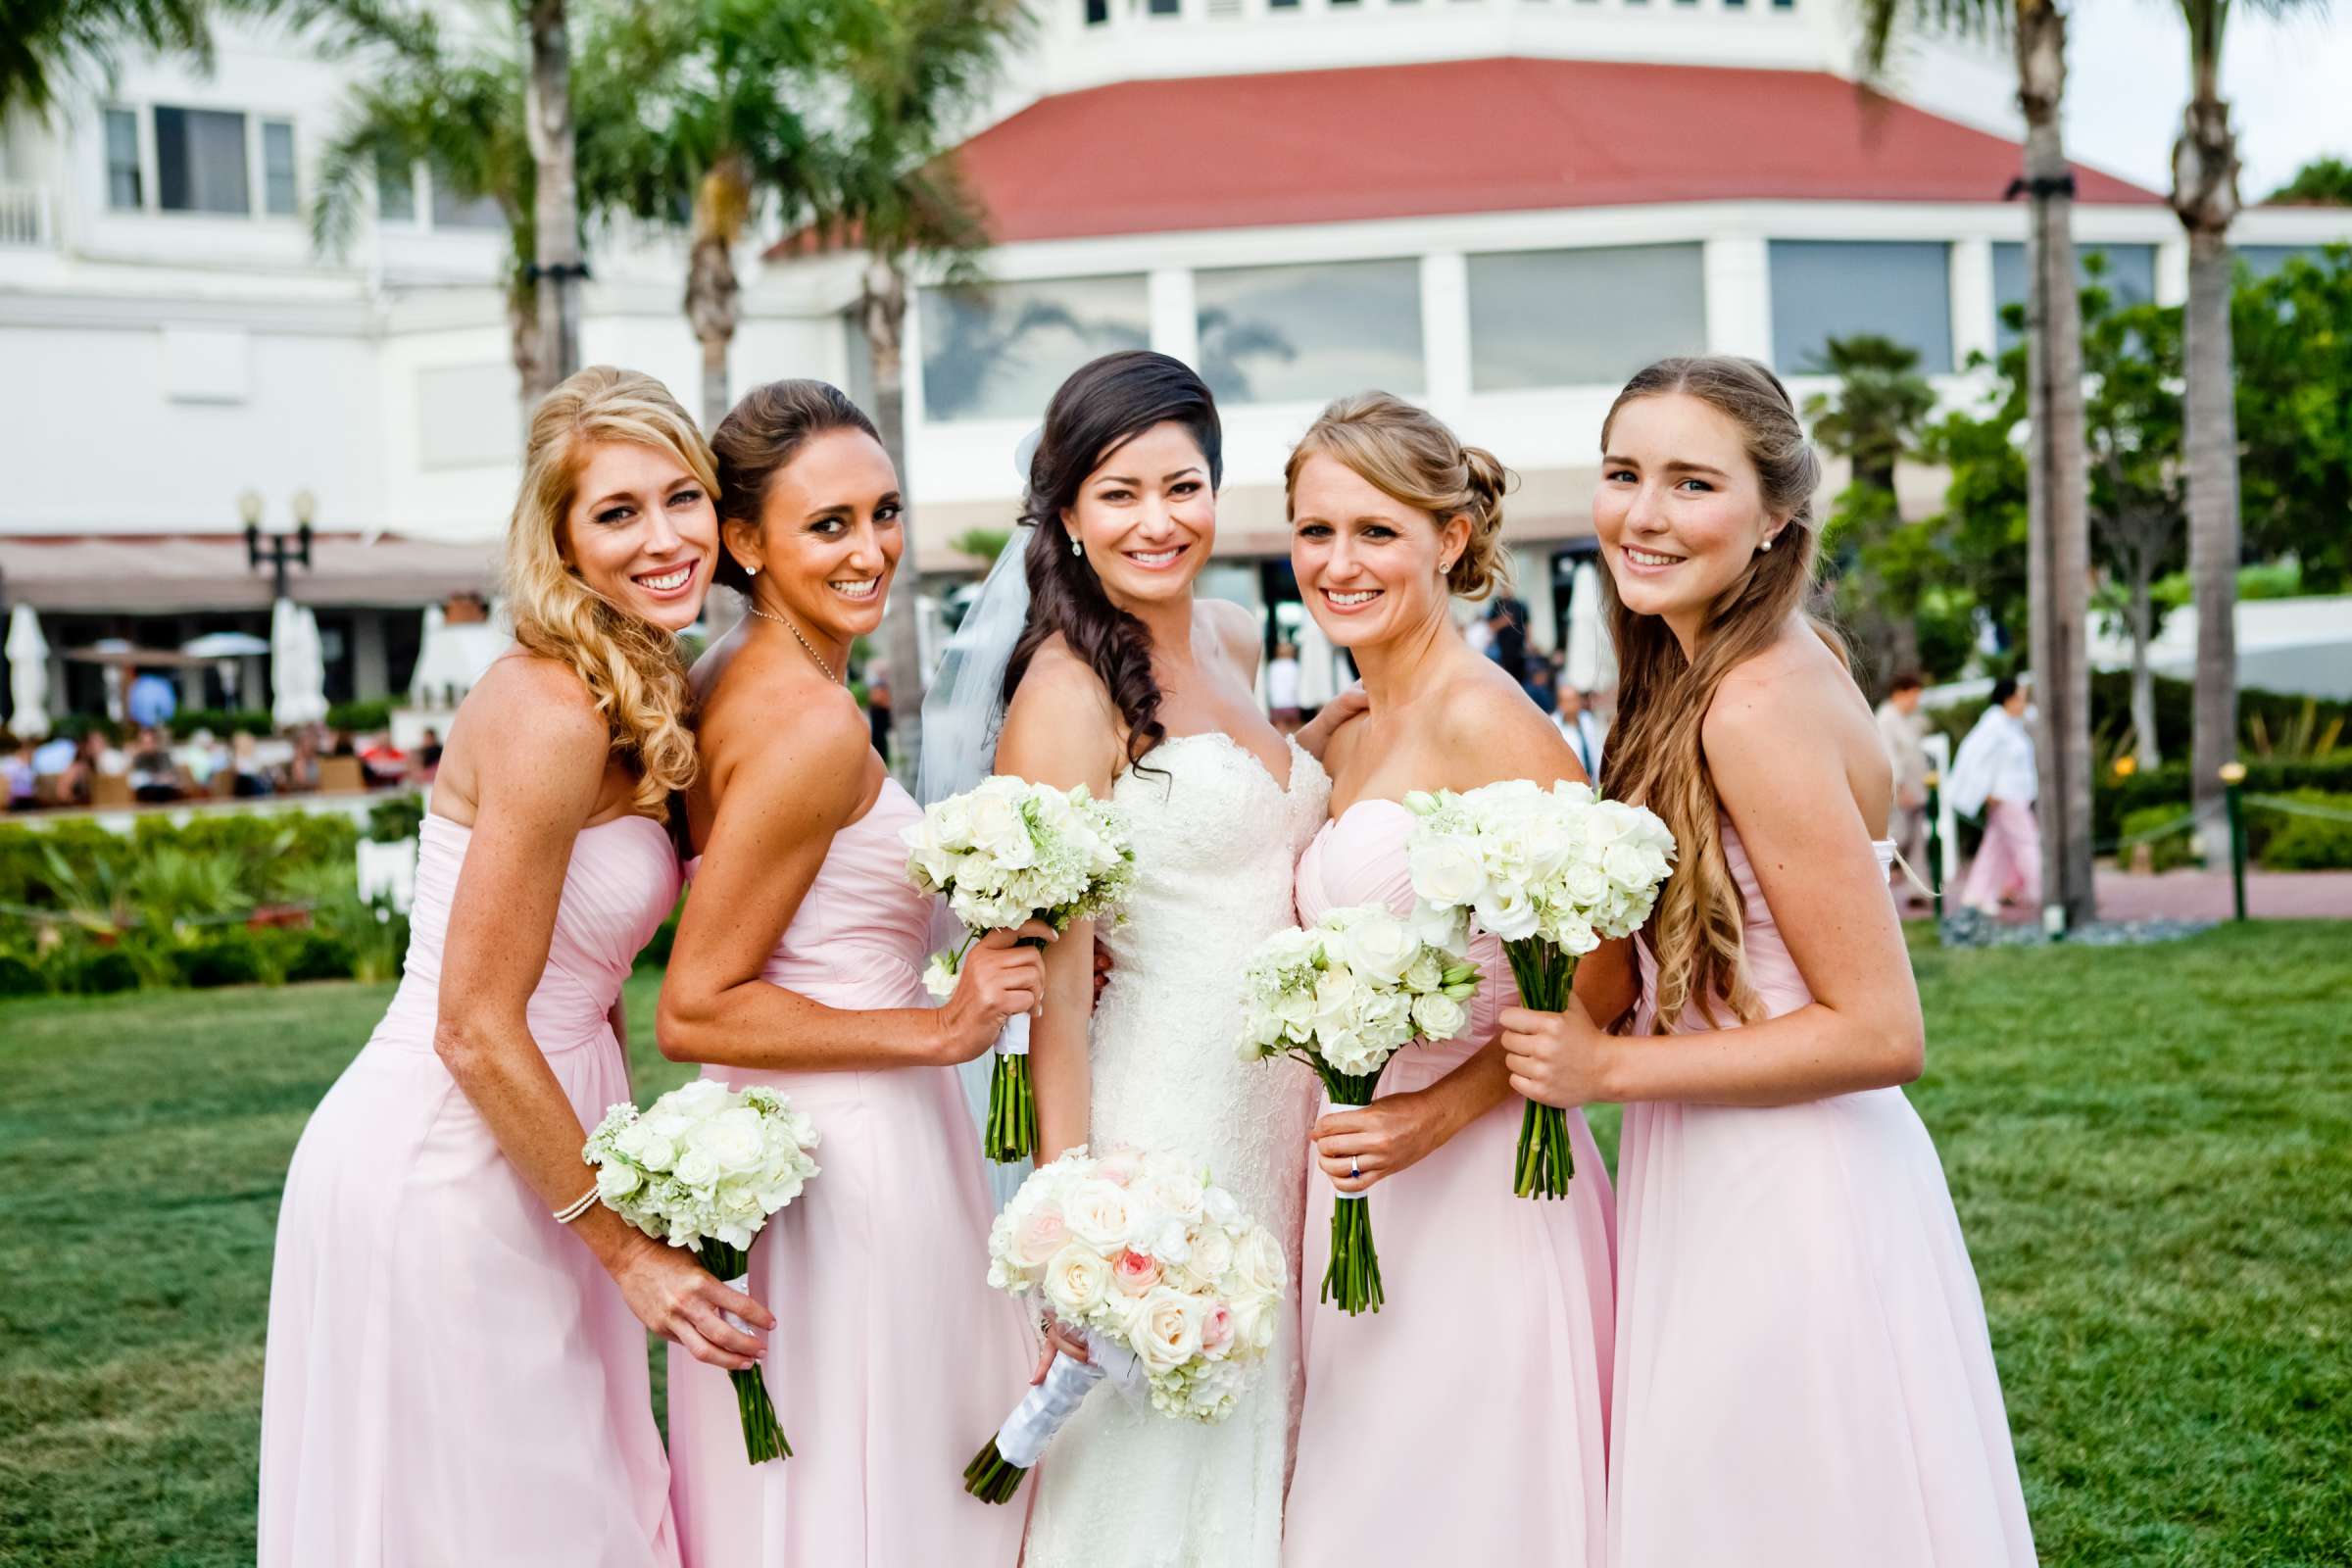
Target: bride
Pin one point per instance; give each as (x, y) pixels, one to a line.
(1123, 682)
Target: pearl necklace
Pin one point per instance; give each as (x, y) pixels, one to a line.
(815, 657)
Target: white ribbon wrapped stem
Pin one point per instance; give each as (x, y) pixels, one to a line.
(741, 1282)
(1045, 1408)
(1015, 1040)
(1329, 1108)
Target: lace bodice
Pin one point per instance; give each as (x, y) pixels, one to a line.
(1216, 837)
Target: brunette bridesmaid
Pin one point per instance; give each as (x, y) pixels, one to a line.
(1802, 1371)
(799, 963)
(1494, 1342)
(455, 1368)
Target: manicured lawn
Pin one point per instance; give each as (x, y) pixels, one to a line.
(2151, 1150)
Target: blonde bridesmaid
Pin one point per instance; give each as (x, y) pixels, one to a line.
(456, 1369)
(1493, 1348)
(1802, 1371)
(799, 963)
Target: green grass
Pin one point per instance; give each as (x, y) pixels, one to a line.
(2152, 1150)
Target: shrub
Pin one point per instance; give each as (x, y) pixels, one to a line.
(371, 714)
(656, 955)
(225, 956)
(2307, 843)
(2113, 799)
(317, 955)
(2172, 850)
(94, 971)
(399, 817)
(222, 721)
(20, 977)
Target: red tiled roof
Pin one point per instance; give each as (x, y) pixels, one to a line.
(1469, 136)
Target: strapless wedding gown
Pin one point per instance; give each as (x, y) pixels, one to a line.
(1216, 837)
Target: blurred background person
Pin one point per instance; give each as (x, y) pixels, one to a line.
(1902, 734)
(1995, 776)
(1586, 730)
(1282, 688)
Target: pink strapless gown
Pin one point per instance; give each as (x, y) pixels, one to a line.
(1804, 1374)
(891, 1360)
(1467, 1420)
(451, 1378)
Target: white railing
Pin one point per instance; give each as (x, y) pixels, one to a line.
(25, 214)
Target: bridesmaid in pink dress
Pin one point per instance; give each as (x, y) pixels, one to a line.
(1495, 1341)
(799, 963)
(1803, 1373)
(455, 1368)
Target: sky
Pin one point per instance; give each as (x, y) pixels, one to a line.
(2289, 81)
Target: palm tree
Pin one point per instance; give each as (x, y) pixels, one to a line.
(48, 45)
(556, 258)
(713, 135)
(2058, 564)
(2205, 197)
(916, 69)
(1873, 419)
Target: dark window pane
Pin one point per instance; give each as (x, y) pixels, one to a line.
(278, 167)
(1306, 335)
(999, 353)
(1837, 289)
(1098, 12)
(1164, 8)
(200, 161)
(122, 160)
(1582, 318)
(2130, 278)
(395, 192)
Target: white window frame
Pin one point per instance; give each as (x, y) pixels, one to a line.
(257, 164)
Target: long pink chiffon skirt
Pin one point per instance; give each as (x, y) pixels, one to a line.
(1467, 1420)
(1804, 1374)
(453, 1379)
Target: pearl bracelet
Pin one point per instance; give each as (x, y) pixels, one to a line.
(578, 1207)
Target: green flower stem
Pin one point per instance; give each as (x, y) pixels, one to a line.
(1351, 1281)
(989, 1478)
(762, 1434)
(1010, 1135)
(1546, 1162)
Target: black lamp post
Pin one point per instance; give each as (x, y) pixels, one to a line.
(277, 550)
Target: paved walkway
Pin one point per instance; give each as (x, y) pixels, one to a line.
(2205, 894)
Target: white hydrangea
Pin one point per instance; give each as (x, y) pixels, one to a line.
(1148, 1252)
(704, 1162)
(1006, 851)
(1349, 992)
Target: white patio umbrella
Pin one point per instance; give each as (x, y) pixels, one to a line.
(296, 682)
(1592, 661)
(28, 674)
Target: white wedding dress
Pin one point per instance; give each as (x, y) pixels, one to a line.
(1216, 840)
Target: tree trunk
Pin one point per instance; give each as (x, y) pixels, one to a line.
(714, 293)
(2058, 487)
(522, 341)
(2142, 616)
(883, 306)
(2205, 195)
(555, 198)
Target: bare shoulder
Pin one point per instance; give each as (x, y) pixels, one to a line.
(788, 722)
(1060, 722)
(1796, 686)
(1492, 730)
(526, 701)
(1239, 634)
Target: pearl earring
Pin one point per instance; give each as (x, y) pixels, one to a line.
(751, 571)
(1077, 549)
(1766, 545)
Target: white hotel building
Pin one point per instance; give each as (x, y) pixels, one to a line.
(1498, 206)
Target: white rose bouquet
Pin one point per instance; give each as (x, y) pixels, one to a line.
(1343, 996)
(704, 1166)
(1173, 1287)
(1550, 872)
(1003, 853)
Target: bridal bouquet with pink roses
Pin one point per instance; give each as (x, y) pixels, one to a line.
(1172, 1286)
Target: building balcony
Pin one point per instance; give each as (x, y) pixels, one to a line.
(24, 217)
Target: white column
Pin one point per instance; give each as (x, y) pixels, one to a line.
(1175, 318)
(1974, 307)
(1446, 332)
(1739, 270)
(2172, 271)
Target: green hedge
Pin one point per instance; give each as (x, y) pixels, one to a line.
(2112, 799)
(373, 713)
(222, 721)
(2291, 842)
(2172, 850)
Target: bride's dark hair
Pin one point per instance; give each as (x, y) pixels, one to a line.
(1103, 405)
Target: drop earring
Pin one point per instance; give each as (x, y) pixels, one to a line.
(1076, 547)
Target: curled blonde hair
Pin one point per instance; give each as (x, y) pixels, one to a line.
(1411, 455)
(1654, 759)
(630, 666)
